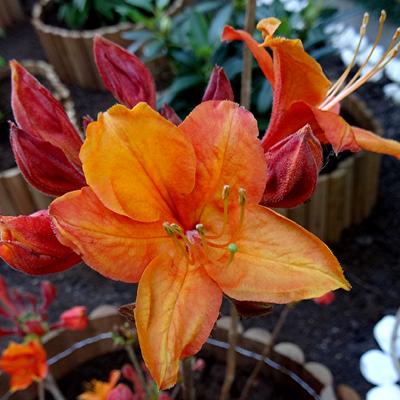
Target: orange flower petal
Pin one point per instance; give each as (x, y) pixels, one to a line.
(137, 162)
(277, 262)
(264, 60)
(228, 152)
(176, 308)
(24, 363)
(112, 244)
(371, 142)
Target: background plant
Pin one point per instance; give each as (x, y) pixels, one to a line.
(79, 14)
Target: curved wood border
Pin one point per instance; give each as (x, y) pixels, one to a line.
(16, 195)
(70, 51)
(289, 355)
(347, 195)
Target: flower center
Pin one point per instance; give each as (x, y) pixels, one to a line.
(340, 89)
(199, 245)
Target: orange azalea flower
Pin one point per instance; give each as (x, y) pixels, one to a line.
(303, 94)
(25, 363)
(99, 390)
(175, 208)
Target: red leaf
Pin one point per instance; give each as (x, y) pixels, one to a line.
(219, 87)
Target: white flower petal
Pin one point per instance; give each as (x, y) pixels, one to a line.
(377, 368)
(389, 392)
(384, 328)
(393, 71)
(347, 56)
(295, 6)
(264, 2)
(334, 28)
(347, 39)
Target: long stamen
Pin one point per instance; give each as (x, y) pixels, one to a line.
(202, 233)
(225, 197)
(339, 83)
(356, 81)
(242, 204)
(232, 248)
(171, 232)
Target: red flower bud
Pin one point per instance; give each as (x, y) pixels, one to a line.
(219, 87)
(39, 114)
(122, 392)
(326, 299)
(123, 74)
(35, 327)
(168, 112)
(293, 165)
(49, 293)
(28, 244)
(44, 166)
(74, 319)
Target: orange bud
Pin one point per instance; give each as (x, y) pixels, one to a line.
(293, 165)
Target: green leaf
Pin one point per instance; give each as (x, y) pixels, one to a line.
(153, 50)
(138, 35)
(233, 67)
(221, 18)
(206, 6)
(143, 4)
(264, 98)
(199, 29)
(178, 85)
(162, 4)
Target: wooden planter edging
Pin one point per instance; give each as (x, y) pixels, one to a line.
(346, 195)
(10, 11)
(67, 350)
(70, 51)
(16, 195)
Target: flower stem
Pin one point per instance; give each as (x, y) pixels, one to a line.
(251, 381)
(245, 90)
(187, 380)
(393, 344)
(51, 385)
(231, 355)
(40, 386)
(136, 365)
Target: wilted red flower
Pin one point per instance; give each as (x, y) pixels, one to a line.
(74, 319)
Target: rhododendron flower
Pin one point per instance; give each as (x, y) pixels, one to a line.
(46, 147)
(303, 96)
(74, 319)
(176, 209)
(99, 390)
(25, 363)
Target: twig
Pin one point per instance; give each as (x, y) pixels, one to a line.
(245, 90)
(393, 344)
(51, 385)
(187, 380)
(136, 365)
(231, 355)
(251, 381)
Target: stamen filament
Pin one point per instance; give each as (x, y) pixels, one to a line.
(171, 232)
(242, 204)
(225, 197)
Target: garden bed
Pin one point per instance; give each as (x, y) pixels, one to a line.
(336, 335)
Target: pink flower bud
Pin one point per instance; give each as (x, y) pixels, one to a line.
(123, 74)
(293, 165)
(74, 319)
(219, 87)
(121, 392)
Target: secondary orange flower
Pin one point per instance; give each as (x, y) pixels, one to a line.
(303, 96)
(176, 208)
(25, 363)
(99, 390)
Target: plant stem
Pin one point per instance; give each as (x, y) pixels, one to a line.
(251, 381)
(393, 344)
(245, 90)
(136, 365)
(51, 385)
(230, 355)
(40, 386)
(187, 380)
